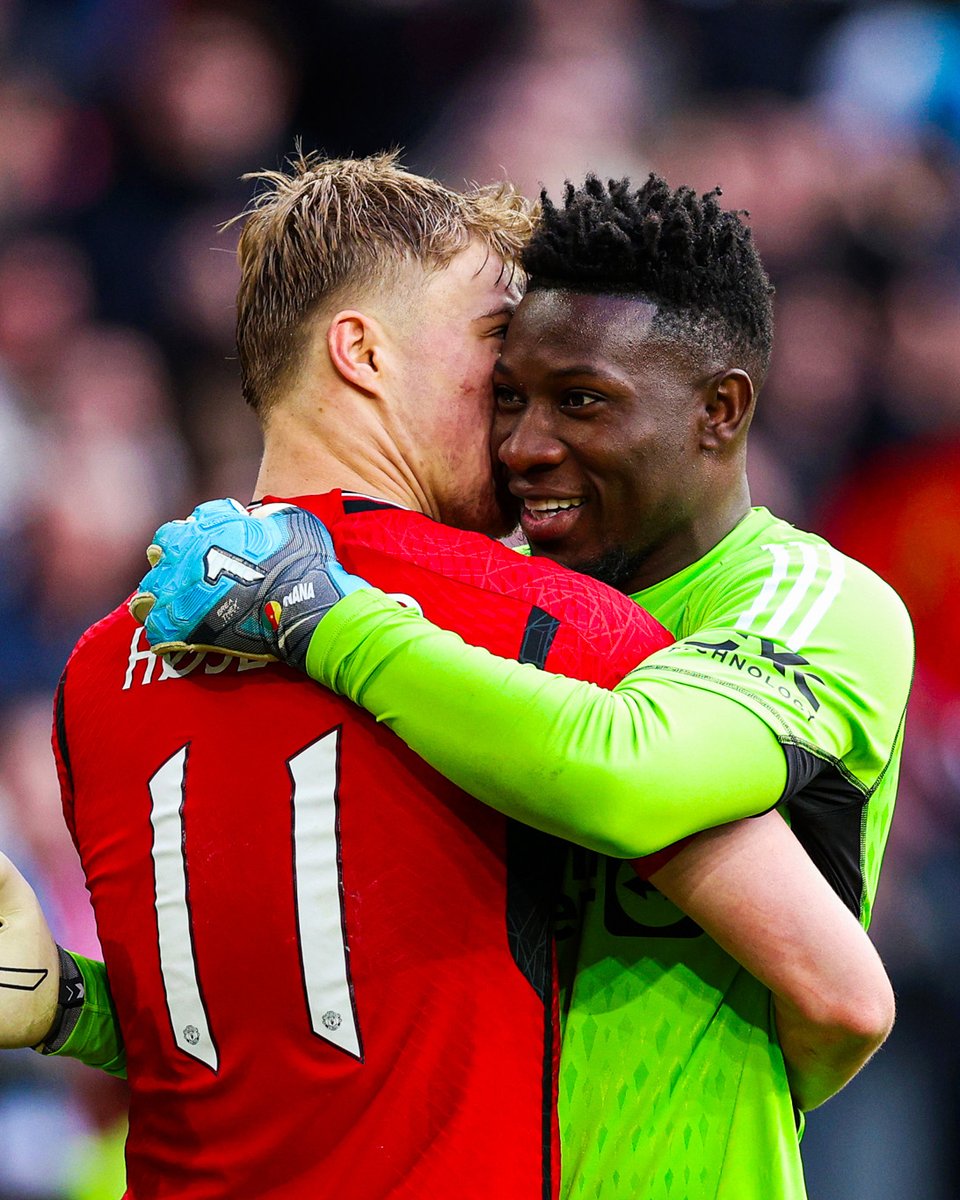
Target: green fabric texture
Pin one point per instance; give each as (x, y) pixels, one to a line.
(672, 1081)
(812, 642)
(96, 1039)
(672, 1084)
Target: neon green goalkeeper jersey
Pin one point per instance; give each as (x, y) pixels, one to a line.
(787, 683)
(672, 1082)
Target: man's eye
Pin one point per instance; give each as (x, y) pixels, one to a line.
(500, 331)
(578, 400)
(506, 397)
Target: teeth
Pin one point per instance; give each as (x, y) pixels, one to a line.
(545, 506)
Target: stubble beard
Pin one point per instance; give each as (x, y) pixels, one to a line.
(614, 567)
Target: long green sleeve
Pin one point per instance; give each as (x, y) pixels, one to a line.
(96, 1038)
(625, 772)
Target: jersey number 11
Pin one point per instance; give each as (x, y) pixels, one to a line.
(324, 952)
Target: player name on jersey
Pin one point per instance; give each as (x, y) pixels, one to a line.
(143, 666)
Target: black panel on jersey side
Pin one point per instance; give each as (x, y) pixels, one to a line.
(546, 1130)
(826, 816)
(538, 637)
(534, 871)
(60, 725)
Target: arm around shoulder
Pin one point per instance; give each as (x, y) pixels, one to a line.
(753, 889)
(625, 772)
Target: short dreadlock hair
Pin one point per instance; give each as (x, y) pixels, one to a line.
(695, 261)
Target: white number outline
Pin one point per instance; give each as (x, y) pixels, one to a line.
(189, 1021)
(323, 946)
(318, 889)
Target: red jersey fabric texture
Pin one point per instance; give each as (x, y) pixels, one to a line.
(333, 970)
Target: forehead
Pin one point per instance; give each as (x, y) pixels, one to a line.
(561, 327)
(475, 276)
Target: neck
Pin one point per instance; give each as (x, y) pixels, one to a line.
(691, 542)
(307, 452)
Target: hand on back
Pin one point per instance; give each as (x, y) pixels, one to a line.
(255, 585)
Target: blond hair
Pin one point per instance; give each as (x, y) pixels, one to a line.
(327, 227)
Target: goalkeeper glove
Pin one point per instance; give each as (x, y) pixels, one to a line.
(255, 585)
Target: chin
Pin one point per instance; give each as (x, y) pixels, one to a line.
(615, 567)
(556, 553)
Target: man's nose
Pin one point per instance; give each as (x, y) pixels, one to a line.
(529, 442)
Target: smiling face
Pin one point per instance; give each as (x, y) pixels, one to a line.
(608, 436)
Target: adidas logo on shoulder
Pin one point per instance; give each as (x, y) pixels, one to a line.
(299, 593)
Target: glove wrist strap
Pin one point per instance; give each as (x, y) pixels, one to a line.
(69, 1004)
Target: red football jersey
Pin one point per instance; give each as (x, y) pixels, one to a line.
(333, 970)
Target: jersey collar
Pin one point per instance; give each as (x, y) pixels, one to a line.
(746, 530)
(330, 507)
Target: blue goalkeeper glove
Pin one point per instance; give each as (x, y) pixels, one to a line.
(253, 585)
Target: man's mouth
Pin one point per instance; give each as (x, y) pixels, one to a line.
(549, 519)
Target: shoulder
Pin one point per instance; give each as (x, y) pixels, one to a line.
(811, 596)
(482, 589)
(82, 670)
(794, 587)
(116, 628)
(807, 637)
(478, 561)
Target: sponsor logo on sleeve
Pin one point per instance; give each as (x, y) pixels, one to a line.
(766, 662)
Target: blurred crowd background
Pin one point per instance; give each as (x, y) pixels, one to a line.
(125, 129)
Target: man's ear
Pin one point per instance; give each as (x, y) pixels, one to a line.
(354, 342)
(727, 410)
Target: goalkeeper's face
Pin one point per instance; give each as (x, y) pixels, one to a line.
(452, 338)
(599, 429)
